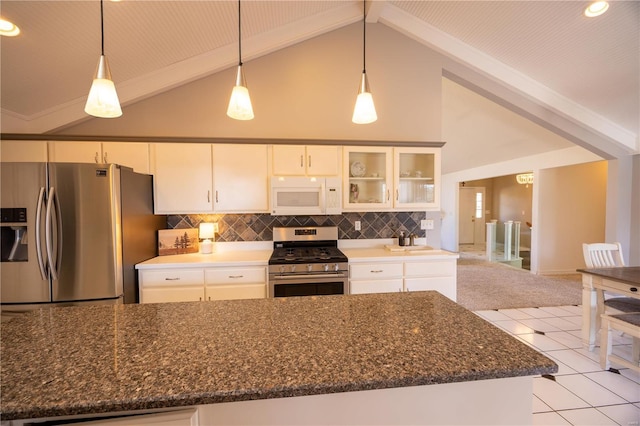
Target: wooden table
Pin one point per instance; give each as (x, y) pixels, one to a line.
(624, 281)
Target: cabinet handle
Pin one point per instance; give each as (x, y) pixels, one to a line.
(172, 279)
(97, 158)
(216, 195)
(208, 196)
(309, 161)
(301, 161)
(397, 196)
(209, 298)
(105, 159)
(200, 299)
(388, 194)
(377, 271)
(236, 276)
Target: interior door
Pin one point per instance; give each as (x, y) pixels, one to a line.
(467, 216)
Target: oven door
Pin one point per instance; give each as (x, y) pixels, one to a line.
(308, 285)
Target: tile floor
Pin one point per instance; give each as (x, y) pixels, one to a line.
(580, 393)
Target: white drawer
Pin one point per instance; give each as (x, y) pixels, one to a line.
(377, 286)
(235, 275)
(171, 277)
(430, 269)
(375, 271)
(231, 292)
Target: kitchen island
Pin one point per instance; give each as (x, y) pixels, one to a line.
(411, 357)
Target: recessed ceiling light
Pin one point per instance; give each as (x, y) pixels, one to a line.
(8, 28)
(596, 9)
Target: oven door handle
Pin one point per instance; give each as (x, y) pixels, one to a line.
(301, 277)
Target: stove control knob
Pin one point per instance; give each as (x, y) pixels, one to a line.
(325, 267)
(282, 269)
(309, 267)
(293, 268)
(335, 267)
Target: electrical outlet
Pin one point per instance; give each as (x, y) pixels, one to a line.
(426, 224)
(215, 227)
(358, 225)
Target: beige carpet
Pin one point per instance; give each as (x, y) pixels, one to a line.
(486, 285)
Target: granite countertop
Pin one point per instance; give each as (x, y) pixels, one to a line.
(98, 359)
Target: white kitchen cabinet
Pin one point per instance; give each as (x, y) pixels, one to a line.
(368, 178)
(23, 151)
(241, 179)
(171, 285)
(416, 178)
(375, 278)
(129, 154)
(310, 160)
(404, 275)
(183, 179)
(236, 283)
(198, 284)
(438, 275)
(379, 178)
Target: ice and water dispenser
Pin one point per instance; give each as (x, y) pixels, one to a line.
(13, 233)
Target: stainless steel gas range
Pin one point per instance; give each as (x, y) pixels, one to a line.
(306, 261)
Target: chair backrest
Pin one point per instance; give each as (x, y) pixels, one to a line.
(602, 255)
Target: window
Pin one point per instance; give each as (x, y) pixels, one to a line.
(478, 205)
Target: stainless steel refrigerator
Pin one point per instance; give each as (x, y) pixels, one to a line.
(72, 233)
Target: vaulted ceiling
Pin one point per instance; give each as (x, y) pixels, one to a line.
(586, 70)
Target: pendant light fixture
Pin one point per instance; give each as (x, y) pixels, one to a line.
(240, 103)
(364, 111)
(103, 100)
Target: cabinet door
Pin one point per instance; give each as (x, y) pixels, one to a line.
(130, 154)
(444, 285)
(183, 178)
(368, 178)
(416, 178)
(241, 179)
(288, 160)
(75, 152)
(171, 294)
(234, 292)
(23, 151)
(323, 160)
(376, 286)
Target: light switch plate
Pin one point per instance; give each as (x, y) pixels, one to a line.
(215, 227)
(358, 225)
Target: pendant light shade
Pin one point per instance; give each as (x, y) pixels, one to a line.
(103, 100)
(240, 103)
(364, 111)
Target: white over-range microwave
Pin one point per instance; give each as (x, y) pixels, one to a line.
(305, 196)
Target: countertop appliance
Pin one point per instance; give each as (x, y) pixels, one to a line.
(306, 261)
(72, 233)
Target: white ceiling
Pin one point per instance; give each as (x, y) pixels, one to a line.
(585, 69)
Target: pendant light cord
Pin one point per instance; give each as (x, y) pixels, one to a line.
(364, 36)
(239, 36)
(101, 29)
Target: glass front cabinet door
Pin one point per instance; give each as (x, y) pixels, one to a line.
(416, 178)
(368, 178)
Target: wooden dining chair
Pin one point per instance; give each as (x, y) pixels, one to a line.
(627, 323)
(603, 255)
(609, 255)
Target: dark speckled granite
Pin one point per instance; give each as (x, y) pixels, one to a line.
(69, 361)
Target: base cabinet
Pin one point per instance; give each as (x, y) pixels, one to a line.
(236, 283)
(198, 284)
(422, 275)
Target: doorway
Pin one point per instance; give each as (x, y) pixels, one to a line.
(471, 224)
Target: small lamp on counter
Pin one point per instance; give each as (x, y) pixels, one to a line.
(207, 234)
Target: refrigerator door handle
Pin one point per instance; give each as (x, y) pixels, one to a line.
(38, 227)
(51, 204)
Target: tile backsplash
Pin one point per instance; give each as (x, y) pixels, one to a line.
(257, 227)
